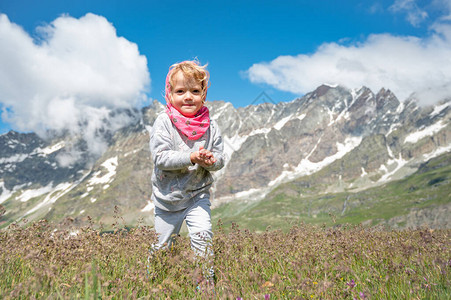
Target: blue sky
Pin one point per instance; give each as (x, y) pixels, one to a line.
(284, 48)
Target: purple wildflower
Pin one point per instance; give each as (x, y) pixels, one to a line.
(351, 283)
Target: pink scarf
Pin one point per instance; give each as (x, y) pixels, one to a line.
(192, 127)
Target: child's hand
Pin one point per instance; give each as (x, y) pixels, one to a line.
(202, 157)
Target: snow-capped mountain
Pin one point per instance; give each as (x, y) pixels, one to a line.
(361, 138)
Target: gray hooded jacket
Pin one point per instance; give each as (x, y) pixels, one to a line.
(176, 181)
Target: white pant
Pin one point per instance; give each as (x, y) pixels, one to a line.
(198, 221)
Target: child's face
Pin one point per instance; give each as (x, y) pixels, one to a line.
(186, 95)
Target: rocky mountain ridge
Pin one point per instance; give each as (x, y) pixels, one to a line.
(354, 138)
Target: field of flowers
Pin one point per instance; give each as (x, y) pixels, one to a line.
(307, 262)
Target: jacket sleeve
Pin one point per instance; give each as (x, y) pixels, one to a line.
(217, 148)
(162, 149)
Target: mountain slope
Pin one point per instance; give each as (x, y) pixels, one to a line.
(420, 199)
(332, 140)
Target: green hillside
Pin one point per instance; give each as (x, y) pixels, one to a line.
(422, 198)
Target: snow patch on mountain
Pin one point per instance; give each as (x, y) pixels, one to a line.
(18, 158)
(400, 108)
(59, 191)
(390, 152)
(111, 165)
(5, 193)
(364, 173)
(331, 85)
(131, 152)
(251, 194)
(220, 111)
(331, 115)
(398, 163)
(282, 122)
(439, 108)
(393, 127)
(233, 144)
(435, 153)
(306, 167)
(428, 131)
(301, 117)
(50, 149)
(33, 193)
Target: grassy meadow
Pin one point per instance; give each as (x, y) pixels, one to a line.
(304, 262)
(333, 256)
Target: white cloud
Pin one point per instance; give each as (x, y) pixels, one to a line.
(444, 6)
(415, 15)
(404, 64)
(72, 77)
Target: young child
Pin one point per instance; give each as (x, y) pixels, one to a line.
(186, 145)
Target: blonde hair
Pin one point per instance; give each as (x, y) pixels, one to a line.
(191, 70)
